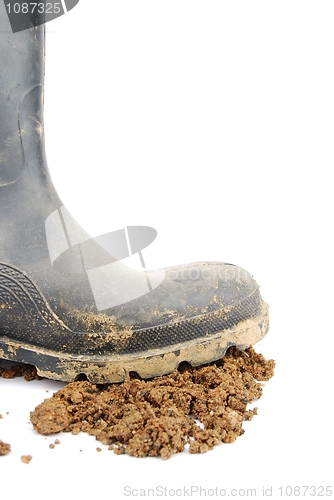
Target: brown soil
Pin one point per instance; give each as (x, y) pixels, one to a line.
(27, 371)
(159, 417)
(26, 459)
(4, 448)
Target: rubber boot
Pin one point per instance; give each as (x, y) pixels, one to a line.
(68, 305)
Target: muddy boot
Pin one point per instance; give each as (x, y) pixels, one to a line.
(67, 303)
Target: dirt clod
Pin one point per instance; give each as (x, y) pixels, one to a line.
(26, 459)
(4, 448)
(29, 372)
(162, 416)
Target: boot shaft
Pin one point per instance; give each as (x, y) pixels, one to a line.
(21, 98)
(27, 195)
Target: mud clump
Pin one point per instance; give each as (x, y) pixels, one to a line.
(29, 372)
(4, 448)
(26, 459)
(194, 407)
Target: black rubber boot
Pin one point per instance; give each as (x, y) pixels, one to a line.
(66, 304)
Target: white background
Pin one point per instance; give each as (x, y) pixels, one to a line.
(213, 122)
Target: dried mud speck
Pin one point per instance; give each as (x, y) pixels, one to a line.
(26, 459)
(159, 417)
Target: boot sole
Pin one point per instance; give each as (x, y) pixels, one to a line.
(148, 364)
